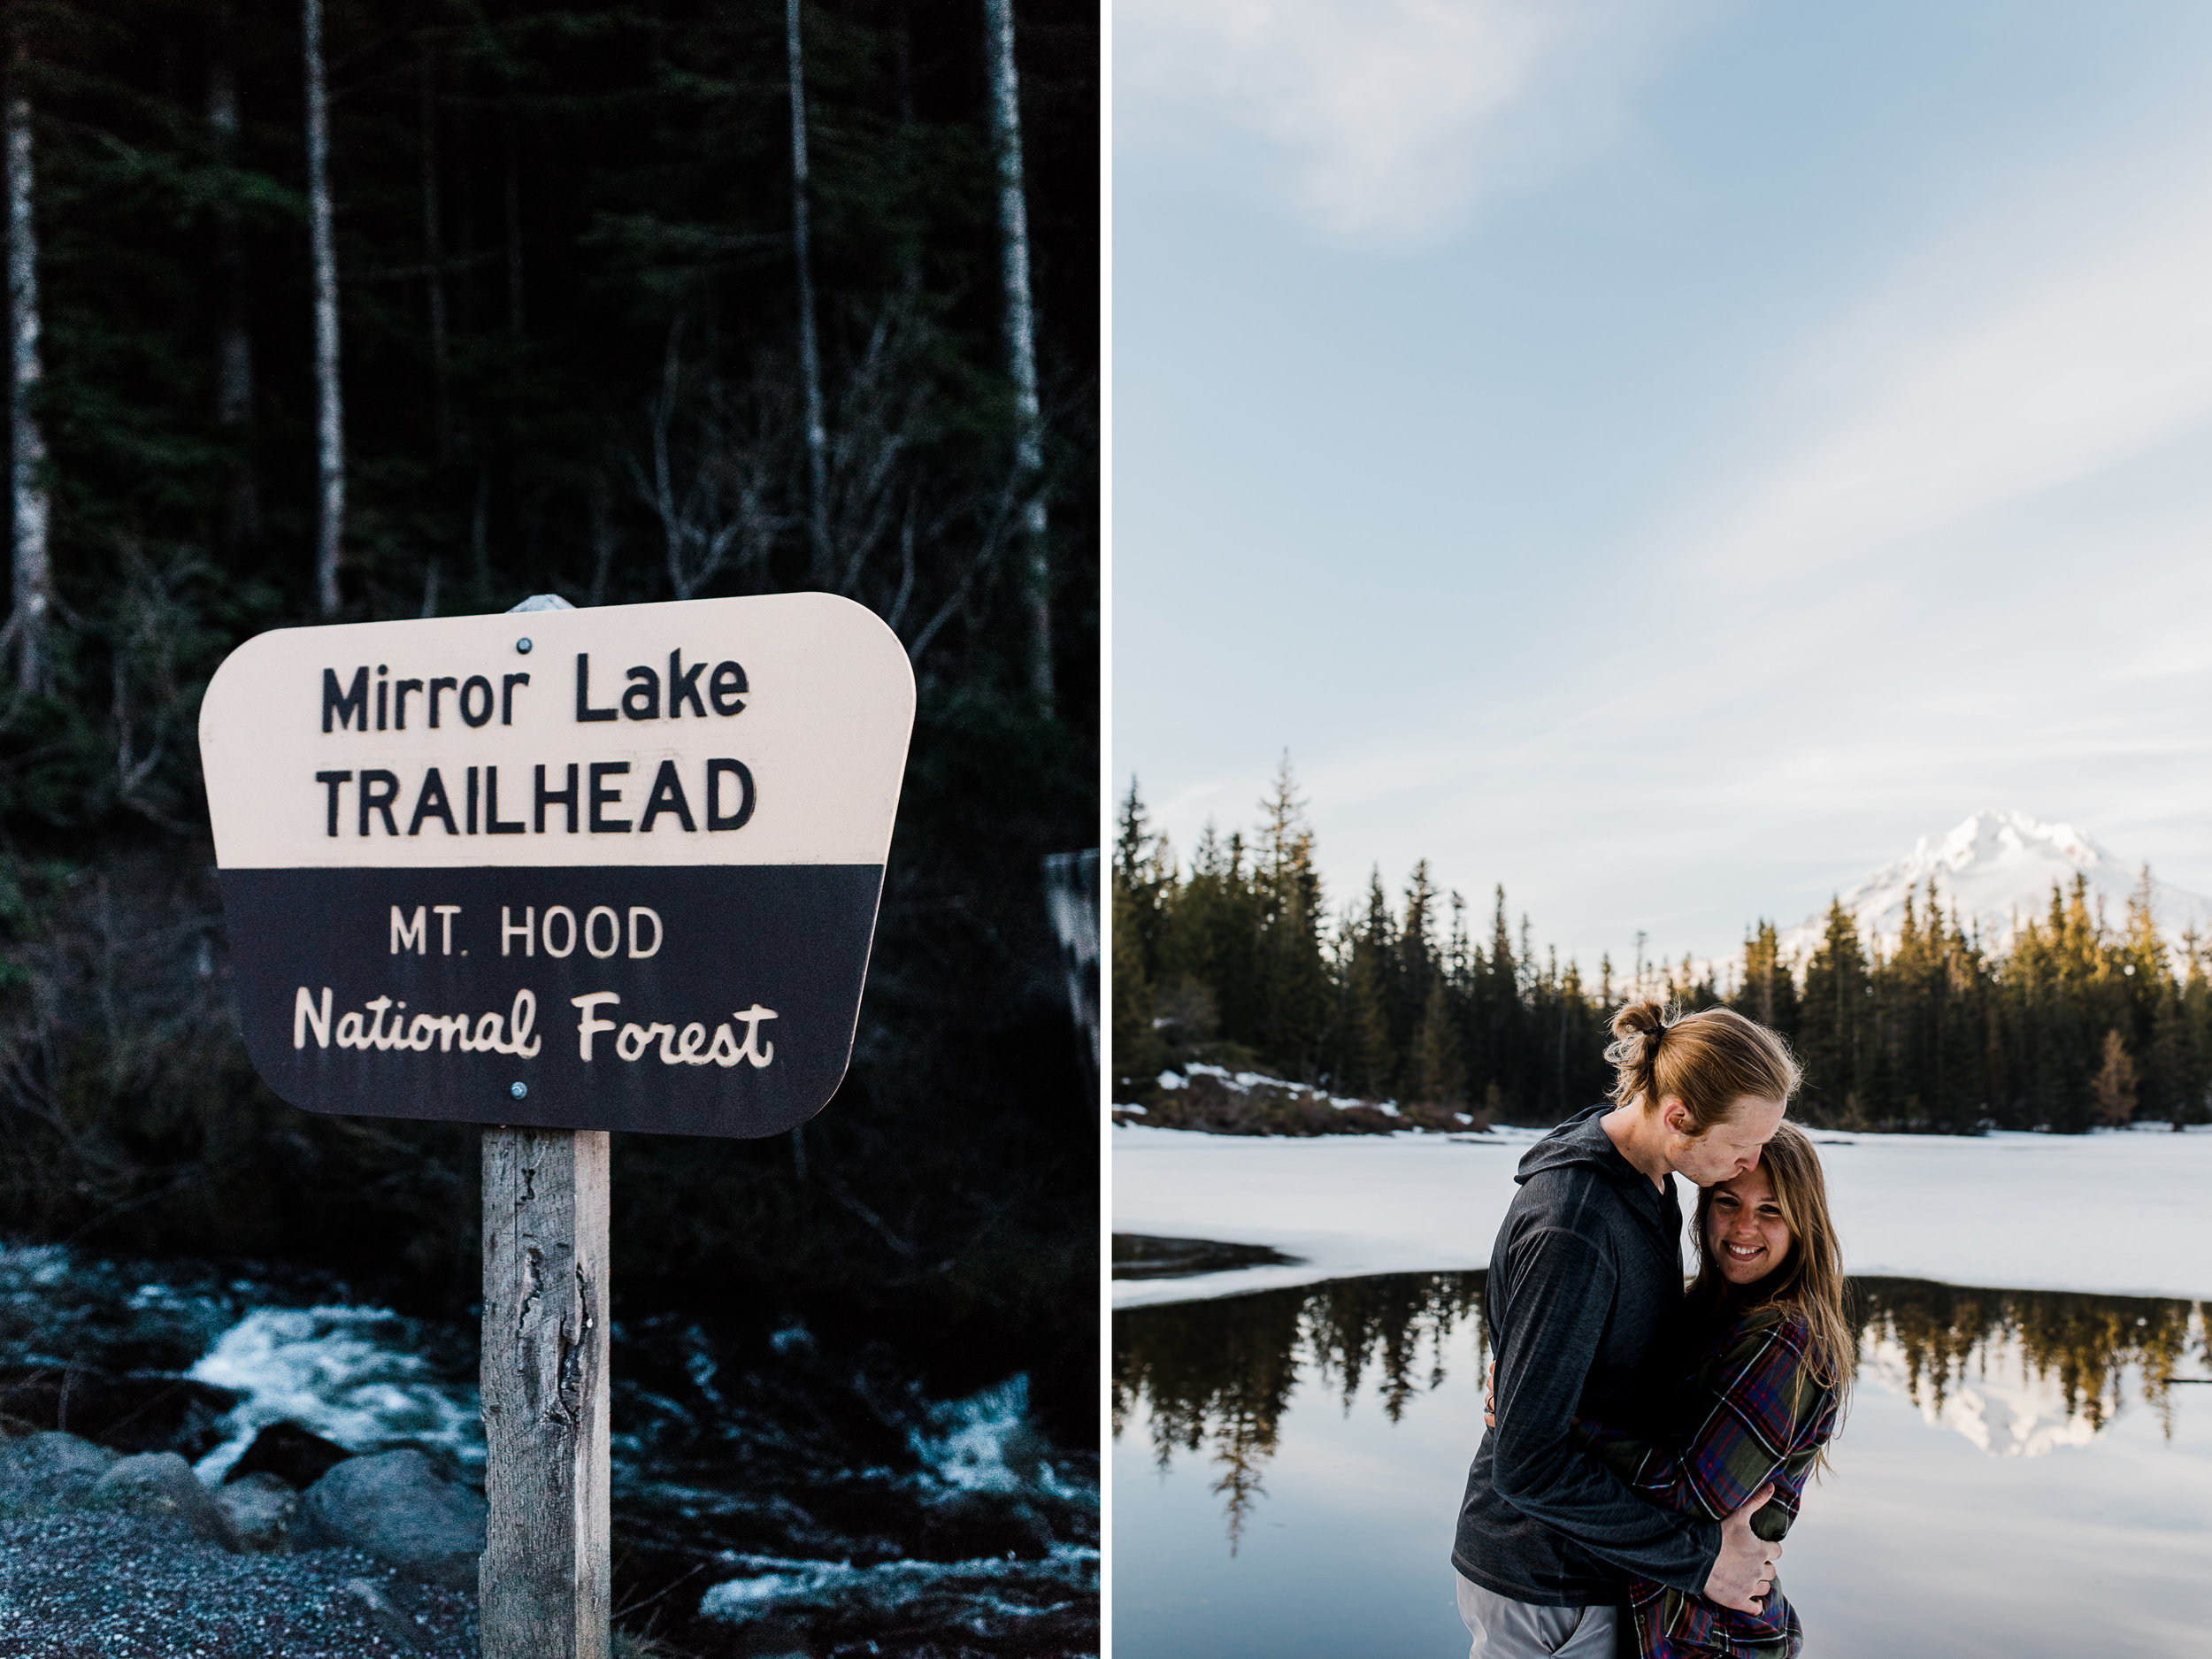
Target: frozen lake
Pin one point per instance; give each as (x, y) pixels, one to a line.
(2027, 1470)
(2128, 1213)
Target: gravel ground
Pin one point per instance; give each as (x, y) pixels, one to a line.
(81, 1584)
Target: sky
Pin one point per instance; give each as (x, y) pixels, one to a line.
(1662, 458)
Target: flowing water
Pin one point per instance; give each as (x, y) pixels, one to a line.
(771, 1496)
(2025, 1474)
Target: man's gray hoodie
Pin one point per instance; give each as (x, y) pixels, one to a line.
(1584, 1284)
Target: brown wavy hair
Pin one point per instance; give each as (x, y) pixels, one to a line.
(1810, 1283)
(1708, 1060)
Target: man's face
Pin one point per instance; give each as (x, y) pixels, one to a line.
(1729, 1148)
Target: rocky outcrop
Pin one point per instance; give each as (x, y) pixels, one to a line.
(259, 1509)
(161, 1484)
(47, 1469)
(396, 1506)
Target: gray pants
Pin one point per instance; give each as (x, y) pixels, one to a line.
(1506, 1629)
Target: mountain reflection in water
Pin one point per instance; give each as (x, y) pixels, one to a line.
(2019, 1373)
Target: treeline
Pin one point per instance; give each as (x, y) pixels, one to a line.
(623, 303)
(1236, 958)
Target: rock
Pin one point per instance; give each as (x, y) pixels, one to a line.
(49, 1470)
(296, 1456)
(158, 1484)
(394, 1506)
(259, 1508)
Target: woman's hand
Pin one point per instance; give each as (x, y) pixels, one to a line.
(1489, 1395)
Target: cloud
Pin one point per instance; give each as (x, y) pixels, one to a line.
(2015, 361)
(1383, 121)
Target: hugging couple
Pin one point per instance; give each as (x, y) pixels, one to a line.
(1648, 1444)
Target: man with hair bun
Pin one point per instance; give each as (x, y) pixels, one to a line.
(1584, 1280)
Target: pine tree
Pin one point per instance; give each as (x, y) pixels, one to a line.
(2113, 1085)
(1136, 1051)
(1501, 1020)
(1438, 1079)
(1367, 1060)
(1295, 995)
(1415, 966)
(1769, 993)
(1832, 1023)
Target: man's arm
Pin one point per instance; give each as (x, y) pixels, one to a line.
(1561, 1288)
(1757, 1410)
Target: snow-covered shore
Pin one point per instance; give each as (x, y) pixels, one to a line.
(2124, 1213)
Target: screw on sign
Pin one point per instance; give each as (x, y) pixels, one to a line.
(612, 869)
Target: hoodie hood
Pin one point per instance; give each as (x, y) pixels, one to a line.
(1581, 1139)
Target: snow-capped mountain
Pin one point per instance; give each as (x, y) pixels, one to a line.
(2004, 1405)
(1993, 866)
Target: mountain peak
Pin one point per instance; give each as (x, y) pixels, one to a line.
(1993, 869)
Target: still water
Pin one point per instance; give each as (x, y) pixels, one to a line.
(2024, 1474)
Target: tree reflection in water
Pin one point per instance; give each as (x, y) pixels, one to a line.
(1217, 1376)
(2087, 1345)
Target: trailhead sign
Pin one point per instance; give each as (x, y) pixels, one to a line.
(602, 869)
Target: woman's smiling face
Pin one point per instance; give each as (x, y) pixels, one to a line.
(1744, 1230)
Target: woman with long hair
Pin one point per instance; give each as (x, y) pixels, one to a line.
(1775, 1350)
(1585, 1290)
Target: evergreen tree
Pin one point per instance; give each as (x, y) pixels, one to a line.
(1831, 1021)
(1769, 993)
(1438, 1079)
(1137, 1050)
(1294, 1001)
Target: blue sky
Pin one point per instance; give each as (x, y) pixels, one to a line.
(1664, 457)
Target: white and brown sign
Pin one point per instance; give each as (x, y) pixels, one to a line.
(606, 869)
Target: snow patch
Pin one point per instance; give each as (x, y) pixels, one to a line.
(2122, 1213)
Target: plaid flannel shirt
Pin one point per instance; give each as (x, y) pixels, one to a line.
(1755, 1413)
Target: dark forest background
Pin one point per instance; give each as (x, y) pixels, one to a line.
(1235, 960)
(571, 363)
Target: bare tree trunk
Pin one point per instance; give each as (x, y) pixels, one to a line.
(26, 444)
(434, 255)
(602, 539)
(233, 350)
(810, 351)
(330, 437)
(1021, 343)
(234, 341)
(513, 167)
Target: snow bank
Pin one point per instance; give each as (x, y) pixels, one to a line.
(2127, 1213)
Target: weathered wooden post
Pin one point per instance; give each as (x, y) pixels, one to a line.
(544, 1587)
(565, 873)
(543, 1583)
